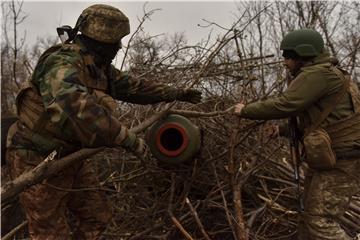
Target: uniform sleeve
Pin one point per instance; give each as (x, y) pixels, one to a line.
(72, 108)
(139, 91)
(302, 92)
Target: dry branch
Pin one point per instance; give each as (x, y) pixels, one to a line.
(51, 166)
(11, 234)
(236, 187)
(45, 169)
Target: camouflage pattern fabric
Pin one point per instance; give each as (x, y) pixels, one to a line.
(79, 97)
(46, 204)
(326, 198)
(69, 105)
(139, 91)
(66, 87)
(103, 23)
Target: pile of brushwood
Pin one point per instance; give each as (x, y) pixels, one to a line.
(240, 186)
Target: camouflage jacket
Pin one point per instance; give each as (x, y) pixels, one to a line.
(306, 97)
(71, 100)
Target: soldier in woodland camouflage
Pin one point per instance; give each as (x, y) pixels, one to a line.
(316, 81)
(68, 105)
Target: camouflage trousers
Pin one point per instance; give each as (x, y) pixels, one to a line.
(48, 203)
(326, 198)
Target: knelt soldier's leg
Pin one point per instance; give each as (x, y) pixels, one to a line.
(89, 205)
(327, 197)
(44, 206)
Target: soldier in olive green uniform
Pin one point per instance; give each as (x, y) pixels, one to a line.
(68, 105)
(316, 82)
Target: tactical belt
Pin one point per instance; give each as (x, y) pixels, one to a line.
(24, 138)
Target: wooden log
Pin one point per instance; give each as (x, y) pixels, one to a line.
(45, 169)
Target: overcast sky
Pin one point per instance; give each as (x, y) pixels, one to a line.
(183, 16)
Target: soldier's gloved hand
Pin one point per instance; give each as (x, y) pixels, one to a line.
(140, 148)
(190, 95)
(135, 145)
(238, 108)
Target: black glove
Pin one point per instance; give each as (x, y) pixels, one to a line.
(190, 95)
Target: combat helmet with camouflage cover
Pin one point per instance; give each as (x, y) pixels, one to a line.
(103, 23)
(304, 42)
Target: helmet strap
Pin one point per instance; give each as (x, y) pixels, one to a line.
(66, 33)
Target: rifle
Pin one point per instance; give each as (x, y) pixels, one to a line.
(294, 135)
(295, 156)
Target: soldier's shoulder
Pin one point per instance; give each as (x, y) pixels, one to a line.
(307, 77)
(68, 52)
(316, 68)
(317, 71)
(58, 57)
(71, 48)
(64, 57)
(62, 53)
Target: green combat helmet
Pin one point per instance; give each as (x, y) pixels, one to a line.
(305, 42)
(103, 23)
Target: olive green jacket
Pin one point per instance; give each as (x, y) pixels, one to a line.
(311, 90)
(305, 97)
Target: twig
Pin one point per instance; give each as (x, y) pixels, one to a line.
(188, 113)
(139, 27)
(141, 234)
(240, 226)
(228, 217)
(145, 124)
(170, 211)
(10, 234)
(197, 219)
